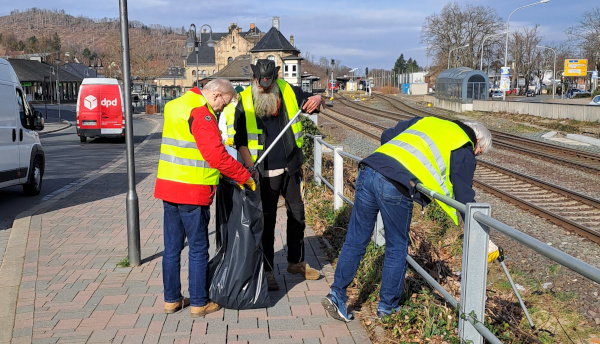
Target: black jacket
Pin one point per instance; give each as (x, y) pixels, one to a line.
(462, 166)
(285, 153)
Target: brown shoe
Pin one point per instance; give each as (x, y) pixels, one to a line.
(172, 307)
(210, 307)
(271, 281)
(303, 269)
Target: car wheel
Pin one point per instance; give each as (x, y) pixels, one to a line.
(82, 138)
(34, 185)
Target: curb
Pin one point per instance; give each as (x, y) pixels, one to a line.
(13, 262)
(66, 124)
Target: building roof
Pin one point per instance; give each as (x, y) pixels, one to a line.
(80, 70)
(173, 73)
(274, 41)
(35, 71)
(459, 73)
(206, 56)
(239, 69)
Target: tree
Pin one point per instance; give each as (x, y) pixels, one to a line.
(586, 35)
(524, 53)
(55, 42)
(457, 26)
(400, 65)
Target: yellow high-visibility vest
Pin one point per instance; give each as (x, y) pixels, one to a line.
(424, 149)
(229, 113)
(291, 106)
(180, 160)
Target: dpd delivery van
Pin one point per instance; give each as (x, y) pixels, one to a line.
(22, 159)
(100, 109)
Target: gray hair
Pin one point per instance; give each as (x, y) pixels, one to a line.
(220, 85)
(482, 133)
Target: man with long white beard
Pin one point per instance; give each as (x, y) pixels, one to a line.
(262, 112)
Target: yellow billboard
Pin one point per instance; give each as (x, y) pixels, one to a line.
(575, 67)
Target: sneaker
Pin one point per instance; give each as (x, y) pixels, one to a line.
(172, 307)
(381, 315)
(303, 269)
(210, 307)
(271, 281)
(335, 308)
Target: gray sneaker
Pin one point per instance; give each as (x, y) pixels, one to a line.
(271, 281)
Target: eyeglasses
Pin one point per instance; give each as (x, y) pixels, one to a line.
(232, 101)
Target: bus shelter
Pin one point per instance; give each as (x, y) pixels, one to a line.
(462, 84)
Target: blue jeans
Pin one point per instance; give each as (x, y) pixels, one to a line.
(181, 221)
(375, 193)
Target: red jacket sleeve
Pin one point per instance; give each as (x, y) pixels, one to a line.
(205, 130)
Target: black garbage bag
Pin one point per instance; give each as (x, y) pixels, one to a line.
(237, 273)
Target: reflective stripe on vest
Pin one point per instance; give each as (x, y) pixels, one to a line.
(229, 113)
(180, 160)
(291, 107)
(424, 149)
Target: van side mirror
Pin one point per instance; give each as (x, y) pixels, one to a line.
(38, 120)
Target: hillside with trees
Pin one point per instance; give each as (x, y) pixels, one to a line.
(91, 41)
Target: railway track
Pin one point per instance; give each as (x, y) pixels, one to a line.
(556, 154)
(573, 211)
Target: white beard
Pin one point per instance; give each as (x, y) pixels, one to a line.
(265, 104)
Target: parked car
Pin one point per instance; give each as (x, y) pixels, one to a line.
(572, 92)
(530, 93)
(497, 95)
(595, 101)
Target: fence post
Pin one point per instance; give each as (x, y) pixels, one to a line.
(338, 177)
(318, 159)
(474, 272)
(378, 236)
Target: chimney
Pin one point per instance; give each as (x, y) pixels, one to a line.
(251, 26)
(292, 40)
(276, 23)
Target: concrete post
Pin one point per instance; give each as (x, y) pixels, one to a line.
(338, 177)
(474, 273)
(318, 159)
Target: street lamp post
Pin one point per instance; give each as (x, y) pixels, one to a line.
(451, 50)
(507, 34)
(195, 41)
(57, 61)
(332, 65)
(554, 71)
(484, 38)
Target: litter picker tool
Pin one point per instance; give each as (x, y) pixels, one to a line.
(292, 121)
(501, 260)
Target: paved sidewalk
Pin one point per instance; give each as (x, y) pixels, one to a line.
(60, 281)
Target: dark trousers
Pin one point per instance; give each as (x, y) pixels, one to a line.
(289, 187)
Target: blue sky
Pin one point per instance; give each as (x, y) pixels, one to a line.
(358, 33)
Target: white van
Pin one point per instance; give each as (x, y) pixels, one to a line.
(22, 158)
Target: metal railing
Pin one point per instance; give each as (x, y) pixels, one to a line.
(475, 246)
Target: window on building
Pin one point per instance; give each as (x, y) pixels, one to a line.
(286, 72)
(272, 58)
(294, 74)
(229, 60)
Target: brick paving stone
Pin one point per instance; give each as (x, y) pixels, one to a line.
(311, 341)
(73, 291)
(102, 336)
